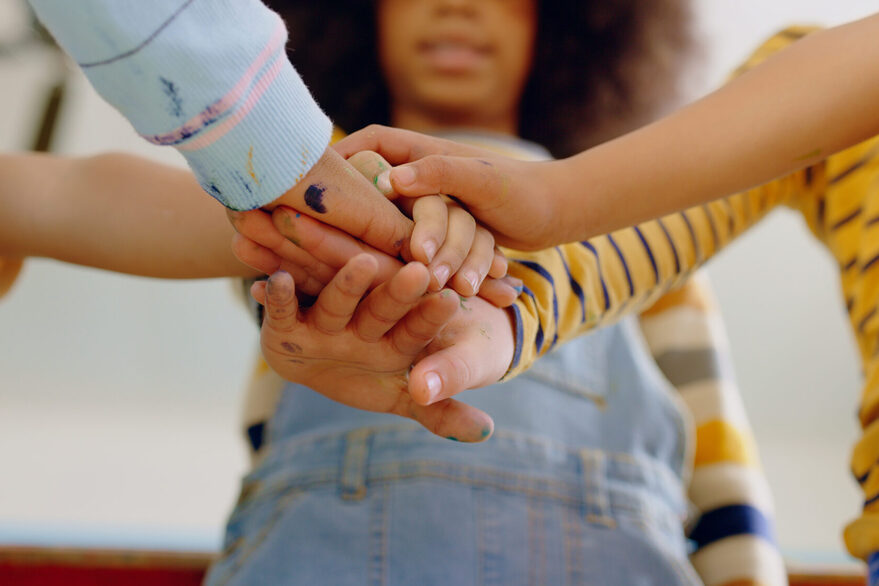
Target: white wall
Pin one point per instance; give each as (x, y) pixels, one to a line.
(119, 396)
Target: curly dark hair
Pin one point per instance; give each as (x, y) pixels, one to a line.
(601, 68)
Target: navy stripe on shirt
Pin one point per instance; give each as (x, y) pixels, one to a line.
(591, 249)
(649, 254)
(540, 270)
(538, 337)
(575, 286)
(624, 263)
(729, 521)
(671, 245)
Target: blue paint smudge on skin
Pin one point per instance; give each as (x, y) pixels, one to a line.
(486, 432)
(175, 105)
(314, 196)
(453, 438)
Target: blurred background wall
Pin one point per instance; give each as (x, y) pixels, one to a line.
(120, 396)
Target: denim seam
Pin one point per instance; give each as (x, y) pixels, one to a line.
(246, 552)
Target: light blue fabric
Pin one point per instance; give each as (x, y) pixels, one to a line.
(169, 66)
(581, 484)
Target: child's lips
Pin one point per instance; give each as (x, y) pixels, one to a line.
(452, 56)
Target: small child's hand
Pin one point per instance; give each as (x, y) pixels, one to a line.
(445, 237)
(357, 349)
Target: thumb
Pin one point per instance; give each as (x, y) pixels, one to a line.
(280, 302)
(459, 367)
(475, 182)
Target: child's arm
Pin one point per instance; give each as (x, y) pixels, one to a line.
(116, 212)
(212, 79)
(799, 107)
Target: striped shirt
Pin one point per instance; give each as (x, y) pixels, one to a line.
(588, 284)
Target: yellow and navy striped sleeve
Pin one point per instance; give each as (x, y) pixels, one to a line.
(579, 286)
(584, 285)
(575, 287)
(733, 535)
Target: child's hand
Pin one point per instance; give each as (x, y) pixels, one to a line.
(312, 251)
(358, 350)
(517, 200)
(328, 250)
(445, 236)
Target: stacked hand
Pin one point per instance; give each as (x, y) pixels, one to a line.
(408, 345)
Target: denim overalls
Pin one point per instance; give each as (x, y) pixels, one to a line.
(583, 482)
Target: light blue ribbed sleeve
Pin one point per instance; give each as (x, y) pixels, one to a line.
(208, 77)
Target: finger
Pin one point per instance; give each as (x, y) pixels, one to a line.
(400, 146)
(469, 363)
(258, 227)
(255, 255)
(258, 292)
(499, 292)
(336, 194)
(337, 302)
(454, 250)
(389, 302)
(499, 265)
(468, 279)
(374, 167)
(330, 246)
(423, 322)
(450, 419)
(431, 215)
(280, 302)
(474, 181)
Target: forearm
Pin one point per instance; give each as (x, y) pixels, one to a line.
(115, 212)
(210, 78)
(580, 286)
(798, 107)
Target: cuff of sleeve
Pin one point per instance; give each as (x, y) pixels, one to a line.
(873, 569)
(525, 329)
(264, 148)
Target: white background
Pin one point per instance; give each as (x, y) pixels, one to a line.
(120, 396)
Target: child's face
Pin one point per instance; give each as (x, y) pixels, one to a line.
(457, 62)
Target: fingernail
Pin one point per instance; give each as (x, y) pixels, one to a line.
(441, 273)
(434, 386)
(517, 284)
(383, 183)
(429, 249)
(404, 176)
(472, 278)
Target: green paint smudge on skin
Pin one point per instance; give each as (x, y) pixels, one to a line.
(809, 155)
(463, 301)
(453, 438)
(486, 431)
(288, 223)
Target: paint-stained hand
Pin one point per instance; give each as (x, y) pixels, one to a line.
(336, 194)
(357, 348)
(459, 253)
(517, 200)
